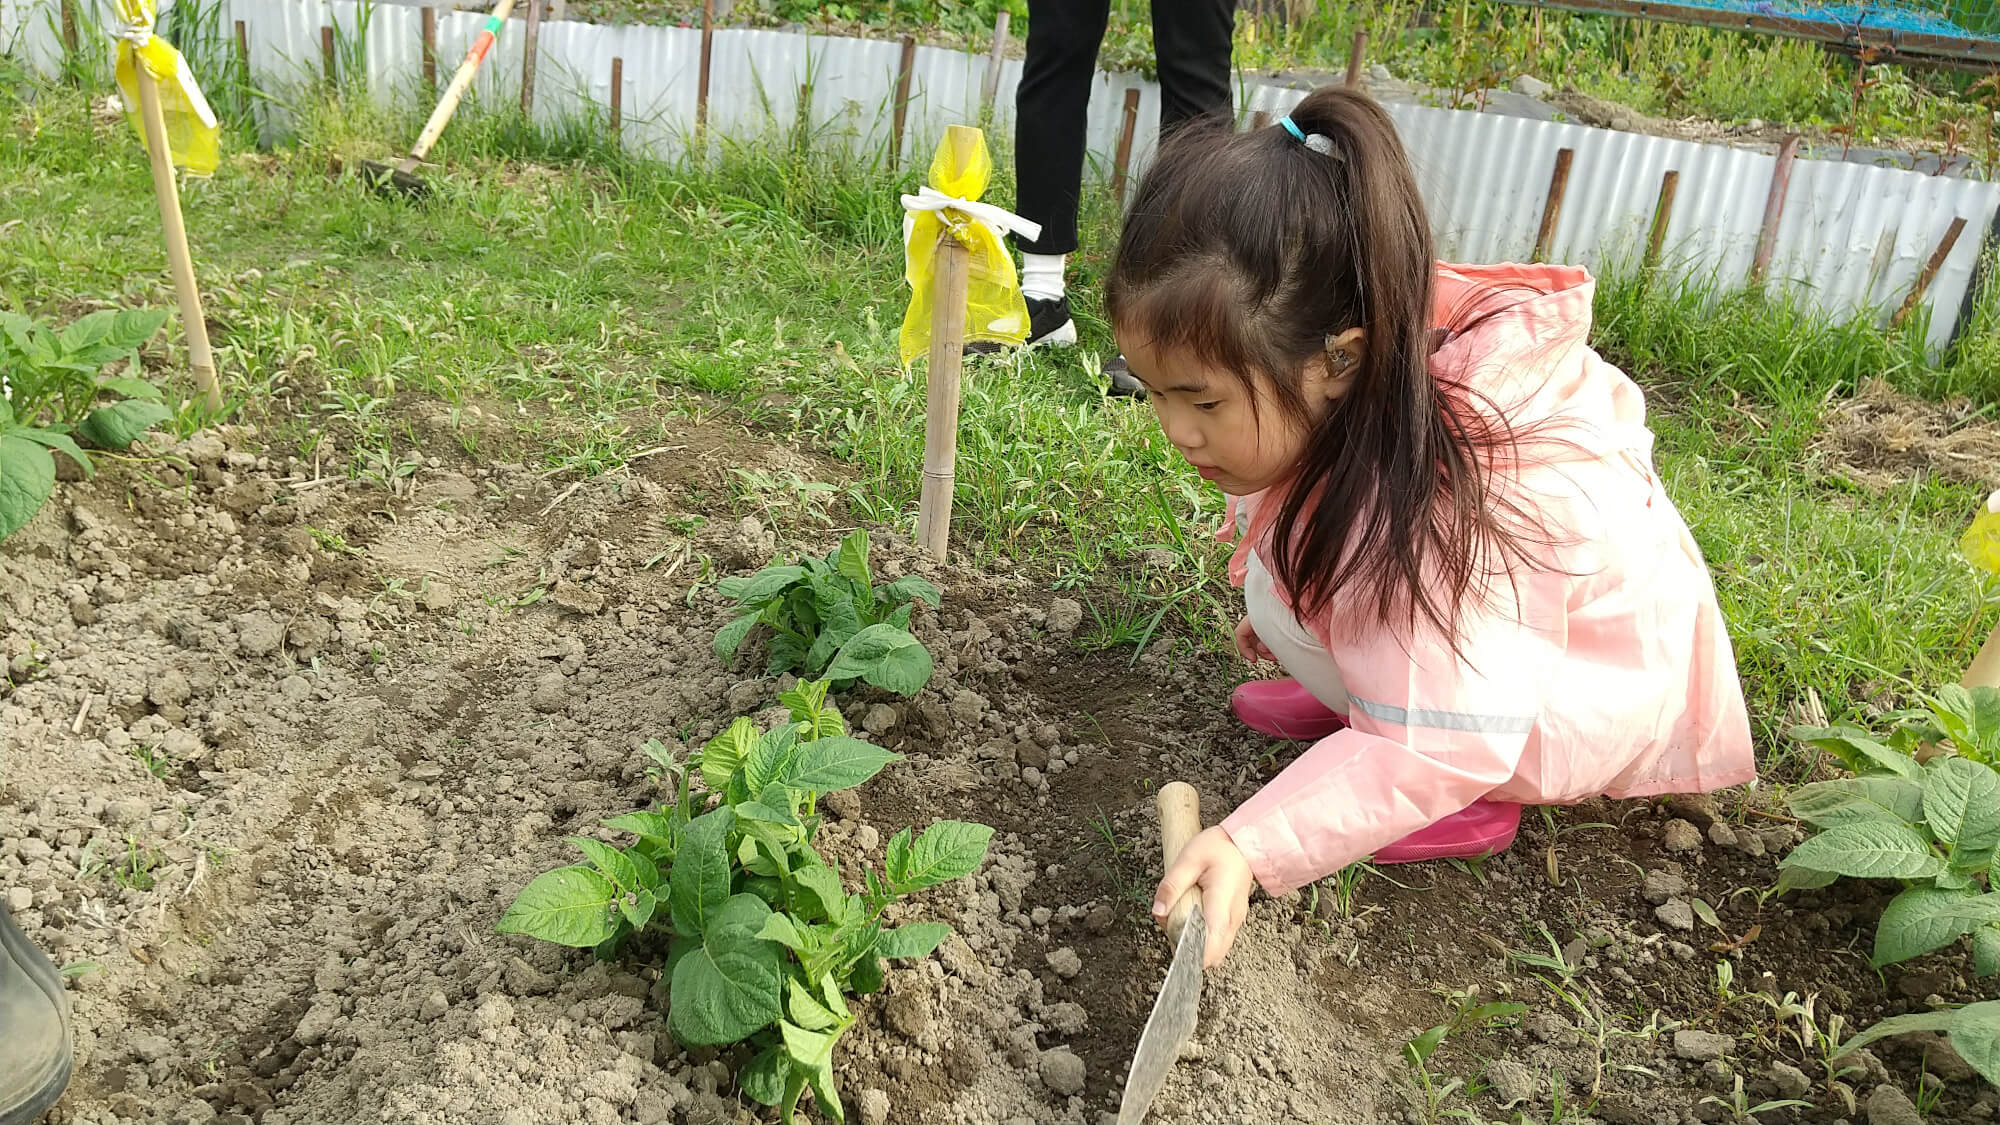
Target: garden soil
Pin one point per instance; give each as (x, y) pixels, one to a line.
(281, 746)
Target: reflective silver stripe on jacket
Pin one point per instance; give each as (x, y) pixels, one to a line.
(1446, 720)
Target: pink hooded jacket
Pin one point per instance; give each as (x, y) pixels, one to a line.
(1605, 671)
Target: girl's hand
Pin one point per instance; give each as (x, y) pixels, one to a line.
(1248, 646)
(1213, 862)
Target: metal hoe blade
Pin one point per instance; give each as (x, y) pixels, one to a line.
(1170, 1025)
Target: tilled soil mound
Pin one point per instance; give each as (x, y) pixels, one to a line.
(280, 748)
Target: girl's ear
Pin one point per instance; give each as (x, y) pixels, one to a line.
(1332, 374)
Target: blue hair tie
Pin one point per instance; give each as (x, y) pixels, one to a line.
(1318, 142)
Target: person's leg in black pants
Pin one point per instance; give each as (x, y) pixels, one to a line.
(1051, 110)
(1191, 48)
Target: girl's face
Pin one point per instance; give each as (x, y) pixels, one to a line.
(1243, 439)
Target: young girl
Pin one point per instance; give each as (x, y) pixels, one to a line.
(1452, 536)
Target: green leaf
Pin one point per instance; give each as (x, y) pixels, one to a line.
(853, 556)
(117, 425)
(87, 331)
(1869, 851)
(1923, 919)
(1899, 1025)
(1962, 809)
(888, 657)
(568, 906)
(913, 588)
(788, 654)
(27, 476)
(839, 623)
(780, 928)
(822, 884)
(1850, 800)
(824, 1092)
(616, 865)
(1986, 951)
(729, 639)
(762, 811)
(1860, 753)
(699, 885)
(828, 764)
(725, 753)
(867, 975)
(949, 849)
(58, 441)
(1419, 1050)
(915, 940)
(638, 907)
(731, 986)
(805, 1008)
(807, 703)
(1803, 879)
(762, 586)
(1706, 913)
(763, 1081)
(896, 857)
(770, 760)
(128, 387)
(808, 1049)
(133, 327)
(1976, 1036)
(652, 827)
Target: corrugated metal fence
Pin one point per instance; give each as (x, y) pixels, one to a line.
(1853, 239)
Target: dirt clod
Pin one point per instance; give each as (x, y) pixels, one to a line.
(908, 1013)
(1790, 1081)
(434, 1006)
(1701, 1046)
(1065, 616)
(493, 1012)
(319, 1019)
(1062, 1071)
(1888, 1105)
(1101, 918)
(1680, 836)
(1512, 1082)
(874, 1107)
(1065, 962)
(551, 693)
(1675, 914)
(843, 804)
(523, 979)
(880, 720)
(1662, 885)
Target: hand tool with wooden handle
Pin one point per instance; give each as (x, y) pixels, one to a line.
(1172, 1021)
(402, 176)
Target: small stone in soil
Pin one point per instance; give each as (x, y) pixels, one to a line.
(1680, 836)
(1662, 885)
(20, 900)
(433, 1006)
(1040, 915)
(968, 707)
(1697, 808)
(1062, 1071)
(844, 804)
(319, 1019)
(874, 1107)
(493, 1012)
(1064, 617)
(1512, 1082)
(1031, 777)
(880, 720)
(866, 837)
(1942, 1059)
(907, 1013)
(551, 692)
(1717, 1076)
(1675, 914)
(1065, 962)
(1701, 1046)
(1790, 1080)
(1721, 835)
(524, 979)
(1890, 1106)
(150, 1048)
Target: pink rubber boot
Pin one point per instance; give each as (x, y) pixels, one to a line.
(1284, 709)
(1483, 829)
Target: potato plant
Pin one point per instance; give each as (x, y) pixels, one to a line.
(49, 390)
(1923, 808)
(829, 619)
(766, 940)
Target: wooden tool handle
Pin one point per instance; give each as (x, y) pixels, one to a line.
(1180, 822)
(461, 81)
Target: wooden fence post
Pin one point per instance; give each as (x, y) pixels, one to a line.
(1354, 58)
(1552, 208)
(903, 69)
(69, 29)
(617, 97)
(1663, 212)
(1123, 165)
(430, 48)
(1929, 274)
(990, 88)
(953, 263)
(529, 42)
(701, 79)
(1774, 208)
(326, 58)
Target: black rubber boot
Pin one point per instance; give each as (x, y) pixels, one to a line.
(34, 1026)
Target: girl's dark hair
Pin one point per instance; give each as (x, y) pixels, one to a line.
(1248, 252)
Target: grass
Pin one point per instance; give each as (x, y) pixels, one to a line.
(593, 300)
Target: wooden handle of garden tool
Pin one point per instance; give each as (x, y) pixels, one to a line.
(1180, 822)
(1985, 668)
(460, 82)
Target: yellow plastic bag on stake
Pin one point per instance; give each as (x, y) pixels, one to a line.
(995, 311)
(193, 136)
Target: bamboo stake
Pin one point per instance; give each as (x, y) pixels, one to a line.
(1663, 212)
(1354, 58)
(1930, 273)
(430, 28)
(528, 53)
(200, 360)
(1774, 208)
(1552, 209)
(243, 50)
(617, 96)
(990, 88)
(326, 57)
(1123, 165)
(701, 80)
(903, 69)
(953, 263)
